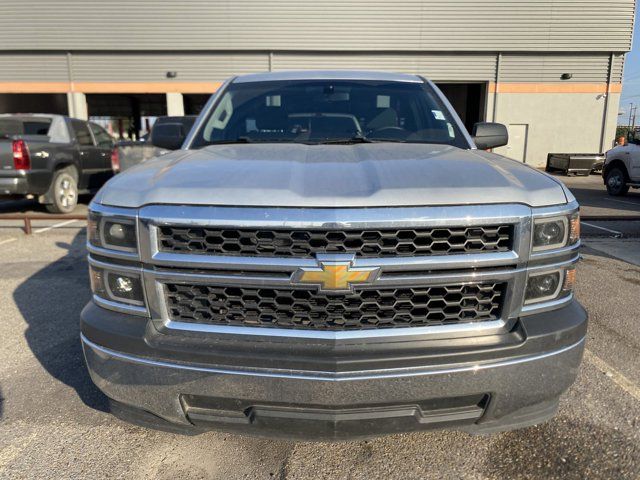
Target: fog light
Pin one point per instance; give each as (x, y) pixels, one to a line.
(548, 286)
(117, 287)
(125, 288)
(543, 287)
(123, 285)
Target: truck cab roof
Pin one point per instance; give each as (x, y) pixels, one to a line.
(293, 75)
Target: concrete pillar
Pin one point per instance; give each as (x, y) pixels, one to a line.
(77, 103)
(175, 105)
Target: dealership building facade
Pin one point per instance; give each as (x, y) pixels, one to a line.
(551, 70)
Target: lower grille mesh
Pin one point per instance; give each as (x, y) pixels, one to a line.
(309, 309)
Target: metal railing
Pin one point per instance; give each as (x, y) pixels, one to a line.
(27, 218)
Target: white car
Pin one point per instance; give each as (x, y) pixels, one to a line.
(622, 168)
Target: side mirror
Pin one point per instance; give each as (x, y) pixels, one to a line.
(169, 135)
(490, 135)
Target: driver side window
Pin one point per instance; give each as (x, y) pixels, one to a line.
(103, 139)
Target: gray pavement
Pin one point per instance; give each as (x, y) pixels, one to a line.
(596, 203)
(54, 423)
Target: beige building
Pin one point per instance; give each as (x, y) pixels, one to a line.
(551, 70)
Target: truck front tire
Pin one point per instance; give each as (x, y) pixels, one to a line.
(63, 192)
(616, 182)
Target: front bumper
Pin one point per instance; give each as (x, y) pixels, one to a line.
(479, 387)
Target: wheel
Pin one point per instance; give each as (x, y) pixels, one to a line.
(616, 182)
(64, 191)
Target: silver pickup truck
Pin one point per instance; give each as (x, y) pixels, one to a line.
(331, 255)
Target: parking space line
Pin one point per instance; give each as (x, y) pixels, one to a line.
(617, 377)
(616, 232)
(8, 240)
(637, 204)
(57, 225)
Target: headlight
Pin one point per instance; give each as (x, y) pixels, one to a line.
(114, 286)
(114, 233)
(547, 286)
(555, 232)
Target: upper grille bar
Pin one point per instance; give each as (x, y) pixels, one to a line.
(516, 218)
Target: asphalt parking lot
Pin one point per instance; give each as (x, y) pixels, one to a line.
(595, 203)
(55, 424)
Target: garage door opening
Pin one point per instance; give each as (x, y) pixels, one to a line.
(468, 99)
(126, 116)
(55, 103)
(194, 103)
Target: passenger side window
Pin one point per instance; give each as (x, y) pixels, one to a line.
(103, 139)
(82, 132)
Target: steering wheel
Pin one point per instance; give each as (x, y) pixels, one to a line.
(389, 132)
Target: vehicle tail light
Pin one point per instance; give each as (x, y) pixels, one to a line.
(115, 160)
(21, 159)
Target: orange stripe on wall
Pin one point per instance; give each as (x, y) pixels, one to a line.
(507, 87)
(34, 87)
(109, 87)
(146, 87)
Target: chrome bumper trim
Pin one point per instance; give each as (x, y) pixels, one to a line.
(389, 334)
(284, 264)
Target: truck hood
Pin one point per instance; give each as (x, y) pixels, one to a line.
(361, 175)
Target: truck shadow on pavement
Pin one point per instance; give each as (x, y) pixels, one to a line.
(589, 198)
(50, 302)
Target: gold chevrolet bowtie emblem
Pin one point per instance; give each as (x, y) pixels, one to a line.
(335, 275)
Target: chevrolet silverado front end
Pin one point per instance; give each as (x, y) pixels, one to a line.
(329, 256)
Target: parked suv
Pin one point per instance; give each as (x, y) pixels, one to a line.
(53, 158)
(331, 255)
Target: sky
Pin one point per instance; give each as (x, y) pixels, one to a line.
(631, 78)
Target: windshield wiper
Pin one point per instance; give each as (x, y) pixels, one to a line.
(358, 138)
(237, 140)
(391, 140)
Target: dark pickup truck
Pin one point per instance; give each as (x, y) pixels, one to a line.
(53, 158)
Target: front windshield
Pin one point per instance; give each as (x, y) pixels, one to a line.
(329, 111)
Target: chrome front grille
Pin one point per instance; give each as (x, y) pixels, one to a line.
(359, 310)
(305, 243)
(442, 272)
